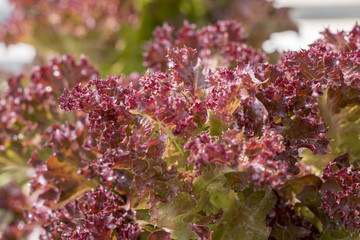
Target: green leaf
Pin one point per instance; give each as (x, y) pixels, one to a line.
(210, 186)
(236, 180)
(317, 162)
(216, 126)
(341, 113)
(210, 173)
(142, 214)
(339, 235)
(296, 185)
(303, 211)
(311, 198)
(171, 215)
(246, 218)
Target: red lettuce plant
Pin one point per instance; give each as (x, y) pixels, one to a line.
(220, 45)
(207, 144)
(30, 106)
(111, 32)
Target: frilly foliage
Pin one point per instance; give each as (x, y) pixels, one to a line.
(205, 145)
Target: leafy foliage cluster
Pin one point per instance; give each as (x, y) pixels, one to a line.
(210, 143)
(111, 32)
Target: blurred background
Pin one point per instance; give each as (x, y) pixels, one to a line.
(12, 57)
(310, 17)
